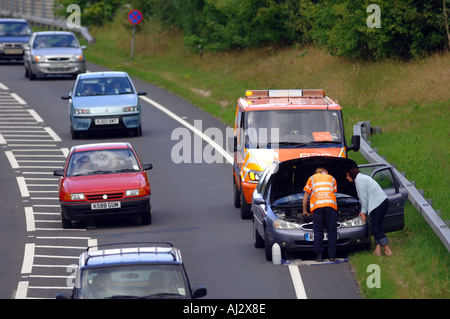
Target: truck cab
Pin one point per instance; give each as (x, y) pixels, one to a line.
(278, 125)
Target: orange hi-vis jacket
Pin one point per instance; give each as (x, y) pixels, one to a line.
(322, 188)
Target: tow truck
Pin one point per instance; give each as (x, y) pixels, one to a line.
(278, 125)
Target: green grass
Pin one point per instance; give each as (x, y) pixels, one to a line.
(410, 101)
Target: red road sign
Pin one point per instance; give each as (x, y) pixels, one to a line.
(135, 17)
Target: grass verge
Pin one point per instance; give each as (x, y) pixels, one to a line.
(410, 101)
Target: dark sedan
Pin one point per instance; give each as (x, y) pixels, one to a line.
(277, 205)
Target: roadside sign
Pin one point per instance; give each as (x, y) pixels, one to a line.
(135, 17)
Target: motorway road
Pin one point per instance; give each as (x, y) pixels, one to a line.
(192, 203)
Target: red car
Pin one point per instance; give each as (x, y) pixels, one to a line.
(101, 181)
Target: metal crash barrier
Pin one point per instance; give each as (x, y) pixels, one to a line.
(423, 206)
(40, 13)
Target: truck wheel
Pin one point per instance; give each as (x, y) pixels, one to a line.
(246, 212)
(236, 194)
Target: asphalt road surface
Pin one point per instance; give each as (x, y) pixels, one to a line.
(192, 202)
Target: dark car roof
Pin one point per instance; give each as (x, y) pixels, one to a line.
(291, 176)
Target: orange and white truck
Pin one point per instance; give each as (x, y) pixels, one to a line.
(278, 125)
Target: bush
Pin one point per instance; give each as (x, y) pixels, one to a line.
(408, 28)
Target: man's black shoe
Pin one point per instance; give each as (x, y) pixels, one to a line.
(319, 257)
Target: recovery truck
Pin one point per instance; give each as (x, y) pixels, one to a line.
(278, 125)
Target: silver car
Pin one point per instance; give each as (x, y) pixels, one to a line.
(53, 52)
(104, 101)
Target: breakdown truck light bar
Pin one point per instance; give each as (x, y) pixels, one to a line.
(254, 94)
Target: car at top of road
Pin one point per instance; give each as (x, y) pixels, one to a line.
(14, 35)
(104, 101)
(53, 52)
(133, 270)
(278, 213)
(103, 180)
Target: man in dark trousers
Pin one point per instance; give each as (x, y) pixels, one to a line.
(322, 188)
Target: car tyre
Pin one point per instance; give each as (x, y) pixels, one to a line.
(147, 218)
(258, 241)
(267, 247)
(66, 223)
(246, 212)
(32, 76)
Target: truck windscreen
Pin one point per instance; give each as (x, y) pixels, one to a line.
(292, 128)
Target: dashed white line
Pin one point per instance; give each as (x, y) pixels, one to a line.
(28, 259)
(29, 217)
(22, 186)
(18, 99)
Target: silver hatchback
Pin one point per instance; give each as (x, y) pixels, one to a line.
(53, 52)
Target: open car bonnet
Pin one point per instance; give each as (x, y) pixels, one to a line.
(291, 176)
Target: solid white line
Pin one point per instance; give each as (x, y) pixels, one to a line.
(48, 287)
(206, 138)
(52, 256)
(29, 217)
(22, 289)
(22, 186)
(3, 87)
(297, 281)
(60, 247)
(28, 259)
(2, 140)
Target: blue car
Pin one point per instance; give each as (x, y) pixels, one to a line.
(14, 35)
(104, 101)
(278, 212)
(132, 271)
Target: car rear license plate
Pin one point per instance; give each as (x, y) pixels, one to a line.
(106, 121)
(310, 237)
(108, 205)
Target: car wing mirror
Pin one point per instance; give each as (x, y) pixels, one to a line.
(147, 166)
(142, 93)
(58, 172)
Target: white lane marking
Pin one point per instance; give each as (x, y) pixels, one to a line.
(3, 87)
(22, 289)
(36, 116)
(22, 186)
(18, 99)
(293, 270)
(28, 259)
(12, 159)
(206, 138)
(298, 282)
(29, 217)
(52, 133)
